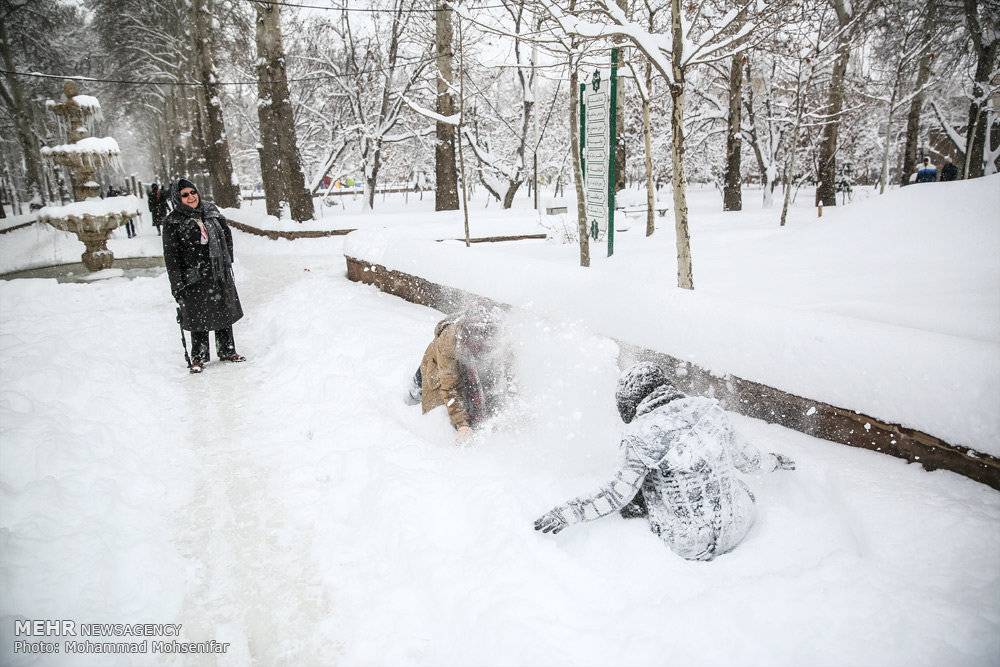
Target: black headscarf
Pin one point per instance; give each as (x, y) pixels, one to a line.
(175, 195)
(208, 214)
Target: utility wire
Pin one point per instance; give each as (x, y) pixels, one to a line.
(251, 82)
(368, 10)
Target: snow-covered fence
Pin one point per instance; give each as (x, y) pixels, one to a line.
(21, 225)
(274, 235)
(746, 397)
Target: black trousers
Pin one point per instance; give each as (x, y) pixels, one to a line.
(130, 228)
(224, 343)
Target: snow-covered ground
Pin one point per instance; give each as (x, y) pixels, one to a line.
(295, 507)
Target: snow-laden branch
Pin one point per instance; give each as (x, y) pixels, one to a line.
(640, 82)
(655, 47)
(412, 134)
(709, 45)
(485, 157)
(433, 115)
(949, 129)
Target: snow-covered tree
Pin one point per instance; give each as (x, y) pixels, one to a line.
(281, 166)
(381, 59)
(698, 34)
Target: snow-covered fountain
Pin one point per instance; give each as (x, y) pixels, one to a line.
(91, 218)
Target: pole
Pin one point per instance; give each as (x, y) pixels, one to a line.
(183, 339)
(534, 116)
(461, 120)
(583, 132)
(535, 169)
(612, 144)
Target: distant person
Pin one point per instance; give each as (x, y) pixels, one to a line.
(198, 252)
(949, 172)
(927, 173)
(465, 368)
(680, 458)
(130, 223)
(157, 206)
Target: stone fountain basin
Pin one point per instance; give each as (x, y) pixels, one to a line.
(126, 267)
(89, 147)
(92, 215)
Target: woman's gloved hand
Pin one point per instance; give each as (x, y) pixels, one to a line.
(783, 462)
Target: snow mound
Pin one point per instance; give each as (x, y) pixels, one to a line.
(93, 208)
(89, 146)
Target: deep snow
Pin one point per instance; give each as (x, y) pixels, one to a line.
(295, 507)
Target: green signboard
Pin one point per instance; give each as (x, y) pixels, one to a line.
(598, 109)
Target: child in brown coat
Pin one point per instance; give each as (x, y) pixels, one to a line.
(463, 369)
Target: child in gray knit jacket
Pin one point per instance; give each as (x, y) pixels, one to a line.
(680, 461)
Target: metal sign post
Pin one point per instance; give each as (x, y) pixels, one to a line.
(598, 106)
(612, 152)
(583, 132)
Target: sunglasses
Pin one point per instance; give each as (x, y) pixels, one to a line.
(185, 194)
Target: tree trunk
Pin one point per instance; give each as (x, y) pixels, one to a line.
(889, 140)
(764, 164)
(917, 103)
(198, 158)
(23, 116)
(826, 190)
(267, 149)
(273, 84)
(647, 143)
(220, 165)
(732, 195)
(685, 278)
(270, 176)
(371, 176)
(508, 197)
(976, 131)
(445, 175)
(161, 160)
(527, 111)
(986, 42)
(793, 144)
(884, 174)
(679, 184)
(575, 113)
(790, 171)
(178, 152)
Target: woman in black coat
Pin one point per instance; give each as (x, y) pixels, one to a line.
(198, 252)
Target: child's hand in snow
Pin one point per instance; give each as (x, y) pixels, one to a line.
(551, 522)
